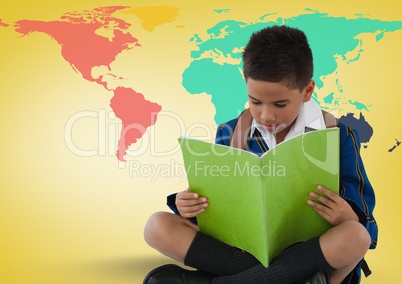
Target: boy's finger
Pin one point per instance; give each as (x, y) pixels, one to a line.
(187, 195)
(193, 214)
(190, 202)
(322, 210)
(327, 192)
(195, 209)
(323, 214)
(320, 198)
(198, 207)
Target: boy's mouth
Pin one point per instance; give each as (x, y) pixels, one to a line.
(270, 127)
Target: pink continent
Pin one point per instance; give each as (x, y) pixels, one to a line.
(80, 45)
(2, 24)
(136, 114)
(83, 48)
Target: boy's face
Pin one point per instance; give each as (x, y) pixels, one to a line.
(274, 106)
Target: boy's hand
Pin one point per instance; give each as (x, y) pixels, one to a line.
(190, 204)
(334, 208)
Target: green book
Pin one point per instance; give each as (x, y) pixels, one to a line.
(259, 204)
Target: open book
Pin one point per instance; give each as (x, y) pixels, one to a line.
(259, 204)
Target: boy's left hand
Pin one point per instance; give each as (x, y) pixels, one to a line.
(333, 208)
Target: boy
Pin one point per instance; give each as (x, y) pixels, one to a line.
(278, 68)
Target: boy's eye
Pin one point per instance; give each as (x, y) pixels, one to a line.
(255, 102)
(280, 105)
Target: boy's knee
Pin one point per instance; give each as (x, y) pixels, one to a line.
(361, 236)
(157, 226)
(152, 226)
(350, 235)
(357, 236)
(345, 244)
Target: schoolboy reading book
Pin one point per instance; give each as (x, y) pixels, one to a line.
(278, 70)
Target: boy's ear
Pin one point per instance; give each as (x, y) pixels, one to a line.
(308, 91)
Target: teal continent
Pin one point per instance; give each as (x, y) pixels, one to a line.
(217, 59)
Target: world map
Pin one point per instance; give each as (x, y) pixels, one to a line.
(91, 40)
(95, 95)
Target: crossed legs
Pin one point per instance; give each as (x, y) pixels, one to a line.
(343, 246)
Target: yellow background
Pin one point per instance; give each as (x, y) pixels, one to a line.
(71, 219)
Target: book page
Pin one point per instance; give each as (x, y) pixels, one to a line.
(292, 170)
(230, 179)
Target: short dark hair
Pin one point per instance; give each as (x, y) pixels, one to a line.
(279, 54)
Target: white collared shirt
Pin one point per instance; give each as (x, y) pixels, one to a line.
(310, 116)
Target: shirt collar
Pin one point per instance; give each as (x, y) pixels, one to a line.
(310, 117)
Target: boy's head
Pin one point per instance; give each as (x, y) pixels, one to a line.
(279, 54)
(278, 67)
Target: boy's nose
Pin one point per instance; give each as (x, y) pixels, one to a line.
(267, 116)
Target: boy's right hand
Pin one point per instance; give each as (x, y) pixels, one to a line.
(190, 204)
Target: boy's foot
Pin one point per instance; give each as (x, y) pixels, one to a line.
(173, 274)
(319, 277)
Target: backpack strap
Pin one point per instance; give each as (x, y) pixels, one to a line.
(329, 119)
(242, 128)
